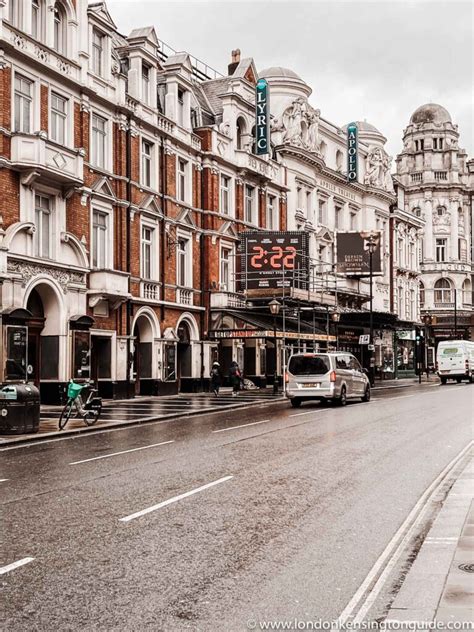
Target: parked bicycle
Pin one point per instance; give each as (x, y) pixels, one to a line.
(89, 410)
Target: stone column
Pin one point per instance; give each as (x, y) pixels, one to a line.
(428, 239)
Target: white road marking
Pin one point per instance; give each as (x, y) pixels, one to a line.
(107, 456)
(310, 412)
(3, 480)
(254, 423)
(392, 552)
(11, 567)
(175, 499)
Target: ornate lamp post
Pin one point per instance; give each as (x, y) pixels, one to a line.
(371, 243)
(275, 307)
(336, 317)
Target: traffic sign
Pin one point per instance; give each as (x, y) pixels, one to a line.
(364, 339)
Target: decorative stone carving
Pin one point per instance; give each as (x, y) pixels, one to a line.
(19, 41)
(63, 66)
(377, 173)
(224, 128)
(29, 270)
(442, 223)
(299, 126)
(42, 54)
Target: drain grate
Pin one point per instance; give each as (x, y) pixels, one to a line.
(468, 568)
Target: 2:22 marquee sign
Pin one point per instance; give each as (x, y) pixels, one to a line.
(273, 259)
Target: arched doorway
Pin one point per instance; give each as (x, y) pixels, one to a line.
(184, 352)
(44, 334)
(143, 352)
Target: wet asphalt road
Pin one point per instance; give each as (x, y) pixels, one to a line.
(304, 502)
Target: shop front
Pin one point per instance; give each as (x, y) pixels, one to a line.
(405, 353)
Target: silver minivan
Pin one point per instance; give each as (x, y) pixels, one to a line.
(336, 377)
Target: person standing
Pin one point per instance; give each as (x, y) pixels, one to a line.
(235, 378)
(216, 378)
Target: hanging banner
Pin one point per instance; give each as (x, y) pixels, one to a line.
(262, 118)
(352, 150)
(352, 256)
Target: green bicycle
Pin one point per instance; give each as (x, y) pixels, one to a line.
(89, 410)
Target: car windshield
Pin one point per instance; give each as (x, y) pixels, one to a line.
(309, 365)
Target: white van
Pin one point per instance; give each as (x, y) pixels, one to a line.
(455, 360)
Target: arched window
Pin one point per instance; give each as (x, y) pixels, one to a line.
(466, 293)
(322, 148)
(339, 160)
(59, 42)
(241, 131)
(417, 211)
(37, 19)
(422, 295)
(443, 291)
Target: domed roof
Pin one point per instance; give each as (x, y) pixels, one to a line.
(278, 71)
(363, 126)
(430, 113)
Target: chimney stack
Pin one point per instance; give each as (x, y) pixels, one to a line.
(235, 60)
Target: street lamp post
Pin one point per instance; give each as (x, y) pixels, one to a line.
(275, 307)
(336, 317)
(371, 243)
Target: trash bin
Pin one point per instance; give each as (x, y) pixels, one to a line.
(19, 409)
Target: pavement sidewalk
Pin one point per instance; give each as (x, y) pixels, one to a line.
(440, 584)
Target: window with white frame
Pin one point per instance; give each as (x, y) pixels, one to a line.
(59, 31)
(250, 204)
(182, 169)
(97, 51)
(337, 216)
(462, 250)
(146, 74)
(322, 212)
(58, 118)
(37, 19)
(100, 227)
(43, 225)
(148, 252)
(400, 251)
(99, 139)
(15, 13)
(400, 301)
(309, 204)
(147, 163)
(354, 220)
(441, 250)
(271, 219)
(412, 305)
(422, 294)
(183, 267)
(23, 104)
(225, 195)
(225, 282)
(443, 291)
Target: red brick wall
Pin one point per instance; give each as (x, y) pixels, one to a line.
(262, 201)
(283, 216)
(78, 218)
(9, 196)
(5, 109)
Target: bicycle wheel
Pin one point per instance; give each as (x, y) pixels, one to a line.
(66, 414)
(93, 413)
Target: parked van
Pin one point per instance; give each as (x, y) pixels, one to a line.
(455, 360)
(336, 377)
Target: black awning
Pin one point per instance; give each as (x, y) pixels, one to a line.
(81, 322)
(17, 315)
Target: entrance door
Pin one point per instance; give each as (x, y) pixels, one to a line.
(183, 364)
(34, 355)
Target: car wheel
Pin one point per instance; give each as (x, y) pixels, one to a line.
(458, 380)
(444, 380)
(366, 396)
(295, 402)
(342, 400)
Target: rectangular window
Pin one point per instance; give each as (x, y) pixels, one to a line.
(58, 118)
(416, 145)
(99, 133)
(23, 104)
(180, 107)
(147, 252)
(354, 222)
(42, 235)
(400, 252)
(308, 204)
(435, 143)
(440, 143)
(35, 19)
(422, 144)
(97, 52)
(249, 204)
(182, 262)
(147, 152)
(225, 279)
(146, 72)
(99, 239)
(322, 212)
(462, 250)
(337, 217)
(182, 165)
(225, 195)
(441, 250)
(271, 218)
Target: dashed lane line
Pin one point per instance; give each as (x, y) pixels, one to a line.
(175, 499)
(254, 423)
(11, 567)
(107, 456)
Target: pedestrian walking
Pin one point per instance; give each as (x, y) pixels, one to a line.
(235, 376)
(216, 378)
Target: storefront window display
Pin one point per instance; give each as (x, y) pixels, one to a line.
(384, 360)
(405, 351)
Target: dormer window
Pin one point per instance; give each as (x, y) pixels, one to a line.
(59, 33)
(146, 73)
(180, 107)
(97, 52)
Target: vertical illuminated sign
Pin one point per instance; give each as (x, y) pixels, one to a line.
(262, 116)
(352, 148)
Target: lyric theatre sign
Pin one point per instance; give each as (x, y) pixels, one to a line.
(262, 118)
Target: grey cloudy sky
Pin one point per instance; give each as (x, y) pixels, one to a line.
(374, 60)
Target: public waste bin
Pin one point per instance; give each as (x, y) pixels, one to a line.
(19, 409)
